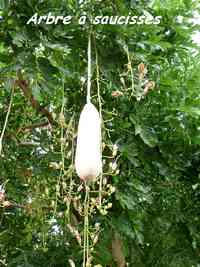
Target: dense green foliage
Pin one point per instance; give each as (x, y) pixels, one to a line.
(154, 219)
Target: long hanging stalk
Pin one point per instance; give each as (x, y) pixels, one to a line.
(89, 70)
(86, 227)
(6, 120)
(86, 201)
(100, 112)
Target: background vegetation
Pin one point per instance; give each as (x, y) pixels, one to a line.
(149, 77)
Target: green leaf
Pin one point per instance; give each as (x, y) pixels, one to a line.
(36, 90)
(47, 69)
(192, 111)
(148, 135)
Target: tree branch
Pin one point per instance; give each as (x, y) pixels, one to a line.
(23, 84)
(33, 126)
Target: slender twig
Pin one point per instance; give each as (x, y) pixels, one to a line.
(62, 147)
(2, 262)
(131, 70)
(6, 120)
(71, 175)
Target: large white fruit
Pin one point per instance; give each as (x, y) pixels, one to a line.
(88, 160)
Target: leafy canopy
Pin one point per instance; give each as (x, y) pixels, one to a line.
(151, 140)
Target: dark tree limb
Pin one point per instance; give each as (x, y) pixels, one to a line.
(24, 86)
(33, 126)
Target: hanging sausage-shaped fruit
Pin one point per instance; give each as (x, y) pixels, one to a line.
(88, 151)
(88, 159)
